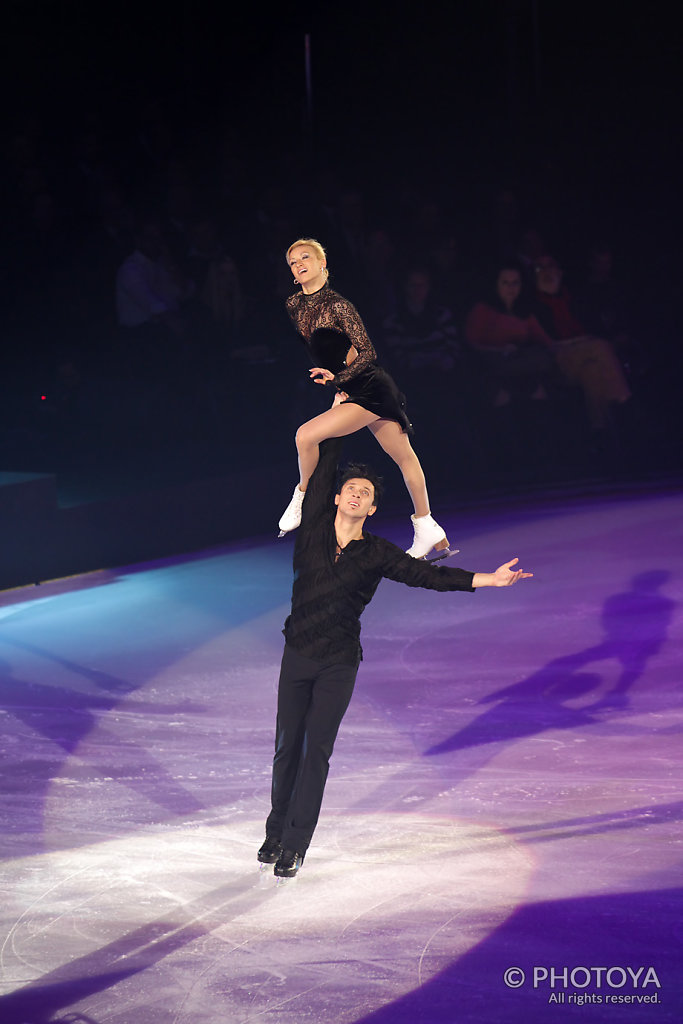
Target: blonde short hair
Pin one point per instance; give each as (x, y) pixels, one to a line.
(312, 243)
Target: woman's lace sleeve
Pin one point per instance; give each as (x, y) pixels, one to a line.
(296, 315)
(291, 307)
(347, 318)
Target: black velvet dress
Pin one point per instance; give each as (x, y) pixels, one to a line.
(329, 325)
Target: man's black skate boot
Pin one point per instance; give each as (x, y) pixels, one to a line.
(288, 863)
(270, 851)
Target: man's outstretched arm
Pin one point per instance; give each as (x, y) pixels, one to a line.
(504, 576)
(418, 573)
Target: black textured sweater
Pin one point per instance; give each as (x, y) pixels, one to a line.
(330, 593)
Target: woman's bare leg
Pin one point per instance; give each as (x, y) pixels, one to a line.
(339, 421)
(397, 444)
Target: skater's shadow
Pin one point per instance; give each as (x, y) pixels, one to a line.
(91, 977)
(67, 718)
(635, 625)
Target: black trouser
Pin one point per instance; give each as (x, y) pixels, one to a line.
(312, 699)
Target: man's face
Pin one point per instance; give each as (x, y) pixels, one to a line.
(356, 498)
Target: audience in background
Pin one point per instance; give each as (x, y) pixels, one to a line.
(221, 292)
(421, 334)
(584, 359)
(198, 288)
(150, 288)
(606, 309)
(512, 348)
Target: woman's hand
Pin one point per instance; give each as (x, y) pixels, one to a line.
(341, 396)
(320, 375)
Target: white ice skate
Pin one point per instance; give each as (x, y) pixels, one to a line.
(428, 534)
(291, 517)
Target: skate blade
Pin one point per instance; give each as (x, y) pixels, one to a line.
(282, 533)
(440, 555)
(280, 880)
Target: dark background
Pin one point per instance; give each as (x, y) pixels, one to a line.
(437, 85)
(574, 108)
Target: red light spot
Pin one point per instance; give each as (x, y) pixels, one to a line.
(43, 398)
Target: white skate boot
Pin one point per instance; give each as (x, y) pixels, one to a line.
(428, 534)
(291, 517)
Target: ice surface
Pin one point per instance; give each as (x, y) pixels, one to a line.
(505, 789)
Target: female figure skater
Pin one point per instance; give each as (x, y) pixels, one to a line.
(367, 396)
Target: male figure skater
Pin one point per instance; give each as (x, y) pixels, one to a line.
(337, 568)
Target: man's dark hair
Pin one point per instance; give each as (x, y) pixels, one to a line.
(360, 471)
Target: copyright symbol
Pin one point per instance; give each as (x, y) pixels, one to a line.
(514, 977)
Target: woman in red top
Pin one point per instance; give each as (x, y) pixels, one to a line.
(509, 340)
(366, 396)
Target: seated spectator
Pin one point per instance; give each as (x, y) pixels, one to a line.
(605, 307)
(222, 294)
(381, 276)
(583, 358)
(599, 300)
(149, 289)
(205, 249)
(452, 275)
(150, 293)
(223, 298)
(510, 343)
(530, 248)
(421, 335)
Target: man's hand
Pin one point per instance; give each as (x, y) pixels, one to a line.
(321, 375)
(504, 576)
